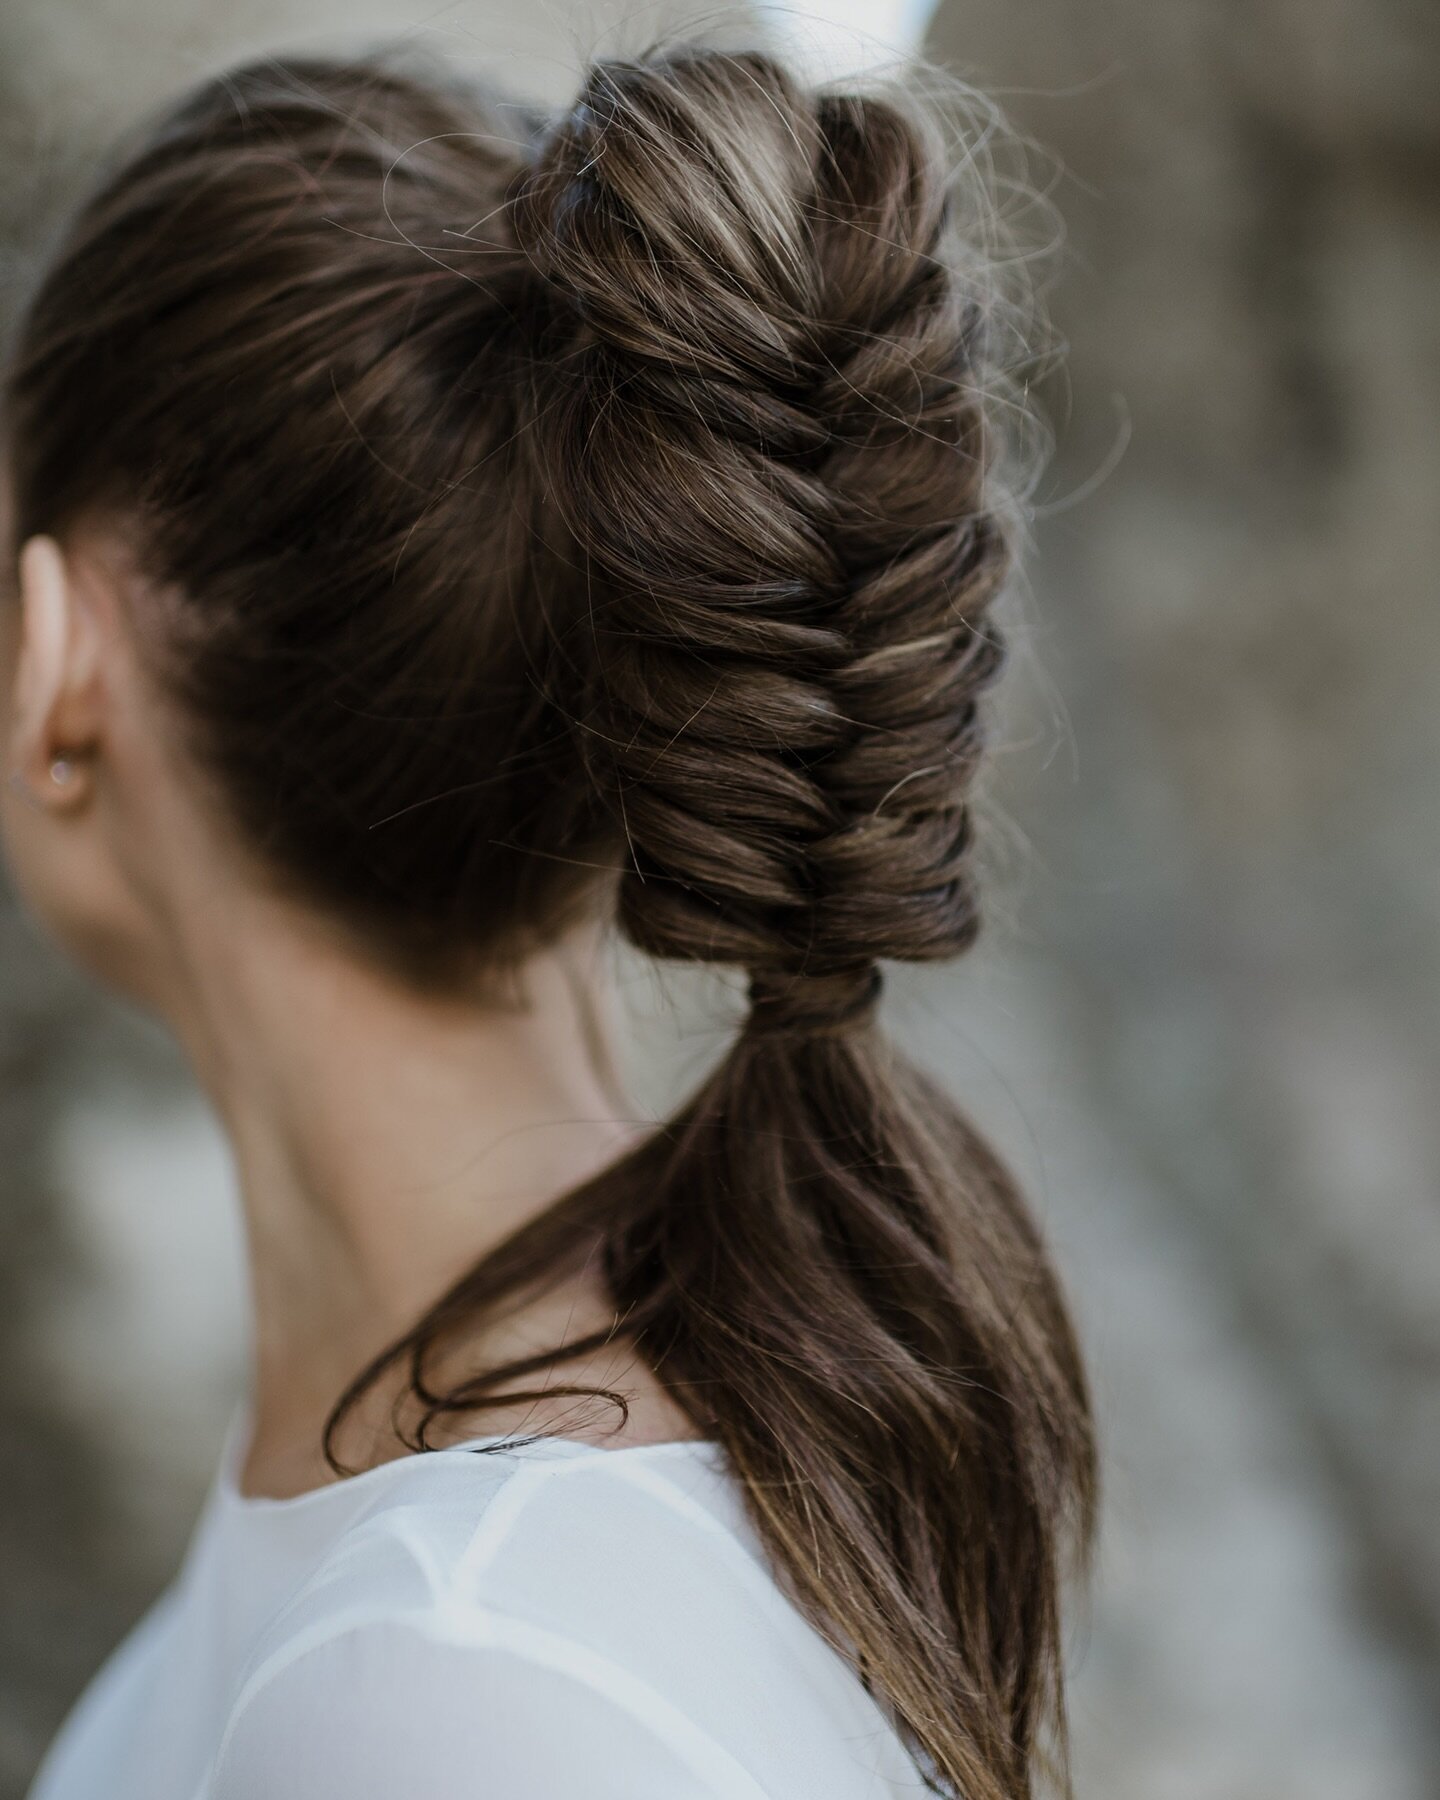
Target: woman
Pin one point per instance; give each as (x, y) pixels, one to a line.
(440, 539)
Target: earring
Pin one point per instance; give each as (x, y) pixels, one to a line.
(62, 773)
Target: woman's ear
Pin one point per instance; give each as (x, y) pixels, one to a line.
(56, 704)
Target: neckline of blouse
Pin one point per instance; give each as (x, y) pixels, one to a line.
(232, 1457)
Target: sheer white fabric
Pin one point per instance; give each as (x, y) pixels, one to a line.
(547, 1621)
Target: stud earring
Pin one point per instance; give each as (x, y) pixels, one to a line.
(62, 773)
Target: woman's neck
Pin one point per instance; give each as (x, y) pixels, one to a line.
(383, 1142)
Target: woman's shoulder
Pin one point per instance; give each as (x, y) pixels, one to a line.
(499, 1524)
(583, 1620)
(536, 1529)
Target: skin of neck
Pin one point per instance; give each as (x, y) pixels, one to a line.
(383, 1143)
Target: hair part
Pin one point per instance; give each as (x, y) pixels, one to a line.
(604, 515)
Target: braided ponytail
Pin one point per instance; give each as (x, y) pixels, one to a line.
(770, 331)
(768, 441)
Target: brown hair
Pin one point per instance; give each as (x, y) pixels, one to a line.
(603, 515)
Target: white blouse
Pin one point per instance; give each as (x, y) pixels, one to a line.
(543, 1621)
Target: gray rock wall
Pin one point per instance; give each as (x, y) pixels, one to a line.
(1242, 855)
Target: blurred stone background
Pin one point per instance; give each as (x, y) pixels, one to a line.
(1204, 1020)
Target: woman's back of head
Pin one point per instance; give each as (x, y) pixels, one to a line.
(286, 354)
(601, 515)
